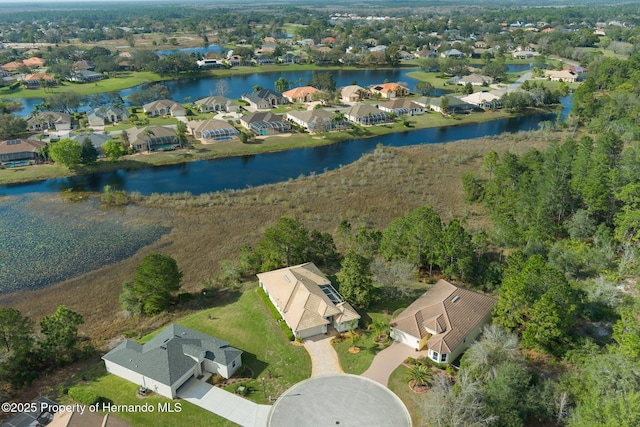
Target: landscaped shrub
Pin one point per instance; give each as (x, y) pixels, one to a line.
(84, 396)
(276, 315)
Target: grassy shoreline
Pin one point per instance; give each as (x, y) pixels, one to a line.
(235, 148)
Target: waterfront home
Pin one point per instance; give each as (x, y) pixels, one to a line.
(12, 150)
(216, 104)
(455, 105)
(300, 94)
(446, 319)
(170, 359)
(317, 120)
(96, 139)
(366, 114)
(353, 93)
(475, 80)
(307, 301)
(152, 138)
(390, 90)
(107, 114)
(265, 123)
(484, 100)
(33, 81)
(49, 120)
(567, 76)
(264, 99)
(452, 53)
(212, 130)
(85, 76)
(163, 107)
(401, 107)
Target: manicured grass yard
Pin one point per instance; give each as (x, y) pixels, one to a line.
(245, 324)
(413, 401)
(117, 391)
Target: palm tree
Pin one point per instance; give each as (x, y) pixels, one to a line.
(420, 376)
(380, 326)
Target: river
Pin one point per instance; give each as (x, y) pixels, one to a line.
(240, 172)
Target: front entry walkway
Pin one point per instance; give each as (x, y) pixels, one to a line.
(227, 405)
(324, 360)
(385, 362)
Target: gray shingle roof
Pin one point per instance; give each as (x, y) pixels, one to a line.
(166, 358)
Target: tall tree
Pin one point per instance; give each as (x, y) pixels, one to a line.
(157, 277)
(89, 153)
(282, 84)
(113, 150)
(356, 279)
(60, 331)
(16, 330)
(66, 152)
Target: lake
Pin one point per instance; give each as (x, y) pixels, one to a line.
(235, 86)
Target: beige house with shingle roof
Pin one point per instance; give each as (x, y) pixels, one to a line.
(446, 319)
(307, 300)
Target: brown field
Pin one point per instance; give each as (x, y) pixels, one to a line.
(212, 227)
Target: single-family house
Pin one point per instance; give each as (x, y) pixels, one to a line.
(484, 100)
(401, 107)
(265, 123)
(390, 90)
(317, 120)
(452, 53)
(455, 105)
(107, 114)
(289, 58)
(96, 139)
(152, 138)
(85, 76)
(84, 65)
(307, 301)
(446, 319)
(264, 99)
(353, 93)
(12, 66)
(366, 114)
(49, 120)
(300, 94)
(561, 76)
(475, 80)
(216, 104)
(163, 107)
(210, 63)
(212, 130)
(12, 150)
(34, 62)
(171, 358)
(34, 80)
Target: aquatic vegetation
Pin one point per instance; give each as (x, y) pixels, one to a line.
(47, 240)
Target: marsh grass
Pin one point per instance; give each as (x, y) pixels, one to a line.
(211, 227)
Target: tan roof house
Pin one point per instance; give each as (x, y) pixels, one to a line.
(49, 120)
(307, 300)
(216, 104)
(163, 107)
(34, 62)
(446, 319)
(399, 107)
(19, 149)
(300, 94)
(152, 138)
(353, 93)
(561, 76)
(212, 130)
(317, 120)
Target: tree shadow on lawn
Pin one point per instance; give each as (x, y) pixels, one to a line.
(258, 367)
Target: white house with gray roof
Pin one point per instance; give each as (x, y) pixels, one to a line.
(172, 358)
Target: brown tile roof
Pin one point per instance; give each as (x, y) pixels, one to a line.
(34, 62)
(12, 146)
(300, 92)
(13, 65)
(447, 311)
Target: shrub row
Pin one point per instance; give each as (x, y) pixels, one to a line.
(276, 315)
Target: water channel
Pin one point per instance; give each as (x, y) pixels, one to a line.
(253, 170)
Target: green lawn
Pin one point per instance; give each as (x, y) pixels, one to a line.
(123, 80)
(413, 401)
(358, 363)
(117, 391)
(247, 325)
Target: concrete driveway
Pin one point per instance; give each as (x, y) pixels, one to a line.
(385, 362)
(324, 360)
(227, 405)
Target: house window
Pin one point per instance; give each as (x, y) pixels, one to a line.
(443, 357)
(434, 356)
